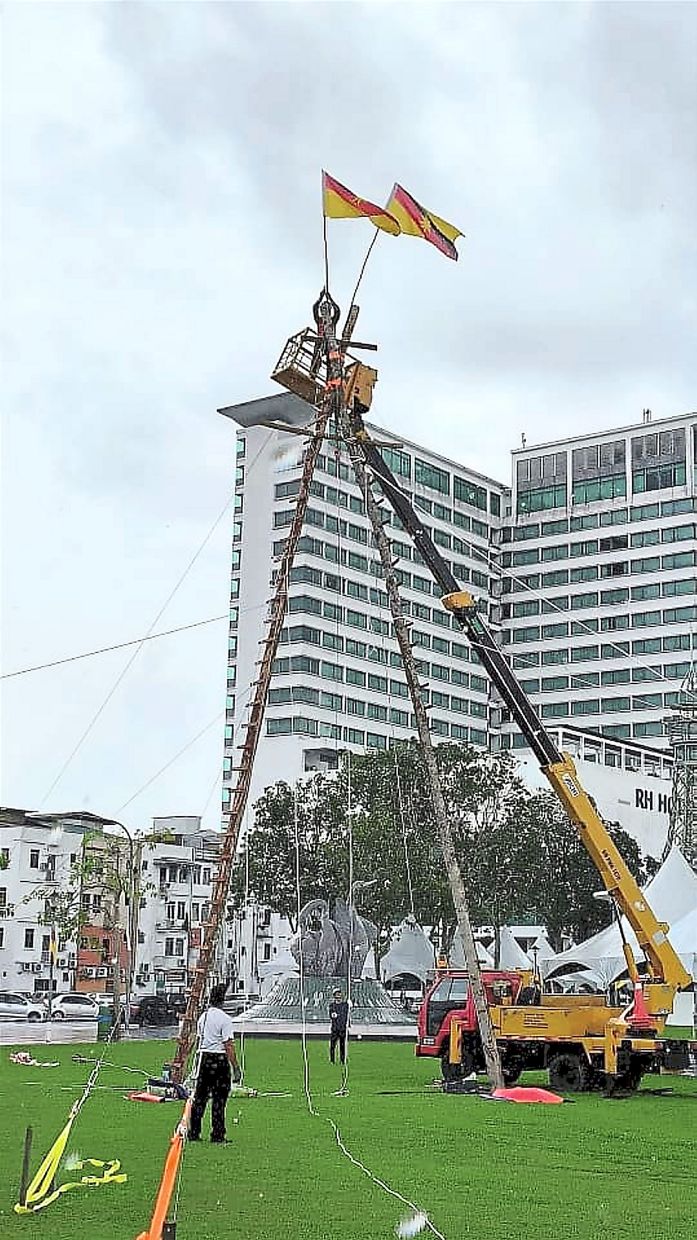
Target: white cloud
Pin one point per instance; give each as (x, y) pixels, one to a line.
(162, 238)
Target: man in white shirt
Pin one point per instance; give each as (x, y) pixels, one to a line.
(217, 1063)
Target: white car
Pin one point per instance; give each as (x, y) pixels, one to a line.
(74, 1007)
(14, 1006)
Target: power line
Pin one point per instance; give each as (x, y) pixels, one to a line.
(171, 762)
(136, 641)
(78, 746)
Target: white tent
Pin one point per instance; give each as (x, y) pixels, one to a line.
(456, 955)
(511, 954)
(542, 948)
(410, 951)
(672, 894)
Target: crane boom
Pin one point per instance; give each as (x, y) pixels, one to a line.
(666, 968)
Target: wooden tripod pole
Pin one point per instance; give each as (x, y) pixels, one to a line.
(457, 887)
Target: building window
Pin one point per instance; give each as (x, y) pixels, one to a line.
(658, 477)
(557, 551)
(594, 489)
(430, 476)
(278, 727)
(469, 493)
(589, 707)
(541, 499)
(581, 653)
(28, 938)
(33, 859)
(398, 461)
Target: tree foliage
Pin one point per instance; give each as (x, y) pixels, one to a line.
(521, 858)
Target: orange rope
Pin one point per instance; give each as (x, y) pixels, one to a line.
(169, 1177)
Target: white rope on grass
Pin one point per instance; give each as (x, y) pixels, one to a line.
(420, 1219)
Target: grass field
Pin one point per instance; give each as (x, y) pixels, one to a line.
(494, 1171)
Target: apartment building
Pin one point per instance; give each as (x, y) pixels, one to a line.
(175, 884)
(337, 680)
(599, 590)
(38, 853)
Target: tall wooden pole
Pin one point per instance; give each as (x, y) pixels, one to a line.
(445, 836)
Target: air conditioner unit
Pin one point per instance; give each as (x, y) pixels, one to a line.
(71, 960)
(61, 962)
(89, 972)
(101, 972)
(24, 967)
(36, 967)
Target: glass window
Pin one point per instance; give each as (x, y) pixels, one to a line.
(469, 493)
(616, 704)
(398, 461)
(278, 727)
(591, 706)
(554, 656)
(431, 476)
(581, 653)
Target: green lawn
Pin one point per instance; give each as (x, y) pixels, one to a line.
(493, 1171)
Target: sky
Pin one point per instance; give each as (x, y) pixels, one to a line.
(161, 238)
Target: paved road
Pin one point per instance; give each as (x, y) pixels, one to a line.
(26, 1033)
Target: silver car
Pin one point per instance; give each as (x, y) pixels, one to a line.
(14, 1006)
(74, 1007)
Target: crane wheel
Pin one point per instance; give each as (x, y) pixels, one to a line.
(457, 1071)
(569, 1072)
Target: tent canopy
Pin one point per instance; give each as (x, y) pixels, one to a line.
(672, 894)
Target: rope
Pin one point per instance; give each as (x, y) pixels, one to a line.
(89, 654)
(400, 805)
(343, 1089)
(171, 761)
(77, 747)
(356, 1162)
(41, 1192)
(362, 272)
(326, 251)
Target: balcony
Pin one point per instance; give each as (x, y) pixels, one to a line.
(7, 910)
(179, 924)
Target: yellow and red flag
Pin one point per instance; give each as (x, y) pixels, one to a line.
(416, 221)
(340, 203)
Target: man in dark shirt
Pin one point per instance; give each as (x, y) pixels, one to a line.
(338, 1015)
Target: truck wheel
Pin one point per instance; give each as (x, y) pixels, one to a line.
(456, 1071)
(625, 1083)
(511, 1072)
(569, 1072)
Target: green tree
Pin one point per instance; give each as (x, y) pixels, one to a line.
(521, 858)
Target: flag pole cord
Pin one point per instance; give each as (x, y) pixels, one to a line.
(326, 251)
(362, 270)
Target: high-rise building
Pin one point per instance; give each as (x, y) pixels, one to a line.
(588, 561)
(598, 576)
(338, 681)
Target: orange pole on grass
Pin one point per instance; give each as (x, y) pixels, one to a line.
(169, 1178)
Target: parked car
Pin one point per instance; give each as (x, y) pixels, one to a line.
(14, 1006)
(74, 1007)
(161, 1009)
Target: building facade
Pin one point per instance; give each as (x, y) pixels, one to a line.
(587, 563)
(337, 680)
(598, 584)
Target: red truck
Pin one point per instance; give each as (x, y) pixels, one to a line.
(450, 995)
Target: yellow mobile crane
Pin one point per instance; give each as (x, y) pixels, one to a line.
(600, 1043)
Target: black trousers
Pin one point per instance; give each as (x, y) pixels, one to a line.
(337, 1036)
(213, 1082)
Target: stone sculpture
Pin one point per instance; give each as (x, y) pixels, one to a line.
(332, 946)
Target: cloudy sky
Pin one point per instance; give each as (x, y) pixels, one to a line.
(162, 238)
